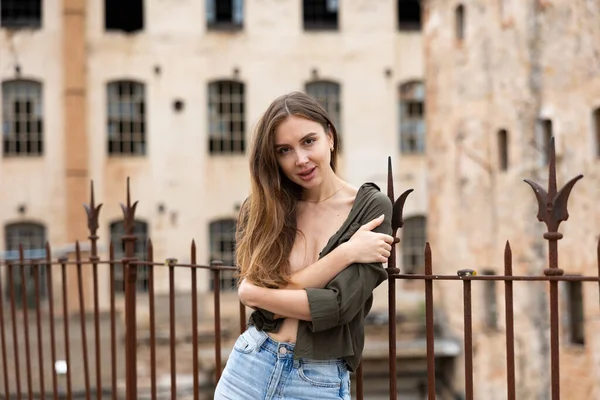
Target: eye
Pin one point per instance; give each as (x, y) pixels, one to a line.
(283, 150)
(309, 141)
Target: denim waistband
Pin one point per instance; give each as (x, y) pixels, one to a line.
(281, 349)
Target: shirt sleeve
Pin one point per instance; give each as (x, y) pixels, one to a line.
(344, 296)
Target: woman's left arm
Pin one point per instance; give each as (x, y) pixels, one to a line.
(339, 301)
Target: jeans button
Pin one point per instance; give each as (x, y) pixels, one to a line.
(282, 350)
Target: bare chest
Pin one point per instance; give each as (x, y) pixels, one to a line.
(316, 225)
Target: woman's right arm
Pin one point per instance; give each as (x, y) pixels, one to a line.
(365, 246)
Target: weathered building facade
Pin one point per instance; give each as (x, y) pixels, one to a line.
(503, 77)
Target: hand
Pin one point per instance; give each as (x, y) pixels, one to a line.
(366, 246)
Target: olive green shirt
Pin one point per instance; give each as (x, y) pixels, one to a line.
(338, 310)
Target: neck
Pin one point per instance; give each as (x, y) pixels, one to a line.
(325, 191)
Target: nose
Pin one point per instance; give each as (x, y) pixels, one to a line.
(302, 158)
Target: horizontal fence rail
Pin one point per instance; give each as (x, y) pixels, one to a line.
(65, 334)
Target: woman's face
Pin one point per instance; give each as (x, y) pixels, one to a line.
(303, 151)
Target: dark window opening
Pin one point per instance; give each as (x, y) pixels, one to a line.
(126, 118)
(124, 15)
(32, 238)
(409, 14)
(320, 14)
(413, 245)
(226, 117)
(575, 313)
(19, 14)
(22, 118)
(140, 231)
(503, 149)
(459, 16)
(412, 118)
(490, 301)
(228, 14)
(222, 248)
(596, 128)
(545, 132)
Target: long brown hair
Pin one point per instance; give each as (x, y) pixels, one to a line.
(266, 227)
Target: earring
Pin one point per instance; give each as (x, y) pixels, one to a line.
(331, 149)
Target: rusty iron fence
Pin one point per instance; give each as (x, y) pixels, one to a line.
(31, 334)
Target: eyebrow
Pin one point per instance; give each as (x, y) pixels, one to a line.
(301, 139)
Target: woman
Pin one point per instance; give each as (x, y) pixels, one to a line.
(310, 248)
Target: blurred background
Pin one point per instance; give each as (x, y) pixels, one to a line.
(464, 96)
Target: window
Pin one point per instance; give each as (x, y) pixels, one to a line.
(490, 301)
(320, 14)
(328, 96)
(22, 118)
(33, 239)
(226, 115)
(459, 16)
(544, 132)
(596, 128)
(409, 14)
(503, 149)
(227, 14)
(18, 14)
(140, 231)
(413, 244)
(222, 248)
(575, 312)
(126, 118)
(126, 16)
(412, 123)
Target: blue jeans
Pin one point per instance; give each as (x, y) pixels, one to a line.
(260, 368)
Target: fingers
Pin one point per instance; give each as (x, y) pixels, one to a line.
(369, 226)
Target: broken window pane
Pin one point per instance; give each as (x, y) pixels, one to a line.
(124, 15)
(409, 14)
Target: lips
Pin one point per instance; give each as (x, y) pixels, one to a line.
(307, 174)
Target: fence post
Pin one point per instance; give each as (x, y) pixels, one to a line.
(130, 269)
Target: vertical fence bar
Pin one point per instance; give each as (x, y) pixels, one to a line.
(11, 290)
(360, 390)
(150, 258)
(38, 316)
(172, 328)
(93, 213)
(113, 327)
(217, 304)
(86, 369)
(25, 307)
(468, 323)
(130, 269)
(554, 348)
(429, 323)
(242, 318)
(195, 368)
(49, 283)
(94, 260)
(3, 340)
(63, 267)
(391, 269)
(510, 324)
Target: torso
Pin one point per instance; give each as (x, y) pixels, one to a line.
(317, 222)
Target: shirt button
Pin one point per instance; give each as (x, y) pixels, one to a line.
(282, 350)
